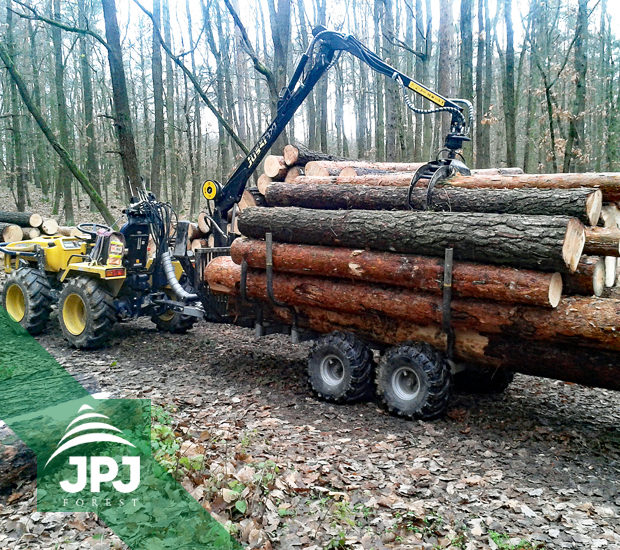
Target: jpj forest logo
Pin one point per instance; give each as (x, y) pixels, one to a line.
(95, 464)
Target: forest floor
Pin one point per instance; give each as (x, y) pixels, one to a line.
(539, 463)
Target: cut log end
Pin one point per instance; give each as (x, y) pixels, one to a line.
(574, 243)
(555, 290)
(36, 220)
(594, 206)
(291, 155)
(275, 167)
(49, 227)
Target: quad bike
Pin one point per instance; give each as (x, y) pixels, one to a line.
(103, 277)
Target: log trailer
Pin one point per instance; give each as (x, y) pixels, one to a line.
(108, 275)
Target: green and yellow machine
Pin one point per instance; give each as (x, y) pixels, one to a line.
(103, 277)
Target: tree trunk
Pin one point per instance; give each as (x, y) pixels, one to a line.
(172, 162)
(92, 165)
(122, 119)
(589, 279)
(576, 124)
(509, 96)
(584, 204)
(379, 81)
(64, 177)
(419, 273)
(466, 59)
(447, 59)
(537, 242)
(158, 103)
(18, 151)
(10, 232)
(580, 321)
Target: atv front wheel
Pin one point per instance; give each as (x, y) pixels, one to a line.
(86, 313)
(27, 298)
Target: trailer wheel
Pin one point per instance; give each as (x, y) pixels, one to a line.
(27, 298)
(480, 379)
(340, 368)
(86, 313)
(413, 380)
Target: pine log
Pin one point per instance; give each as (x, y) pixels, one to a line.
(576, 364)
(293, 173)
(204, 224)
(299, 154)
(591, 322)
(589, 279)
(584, 204)
(419, 273)
(352, 171)
(11, 232)
(602, 241)
(49, 226)
(608, 182)
(30, 232)
(546, 243)
(325, 168)
(23, 219)
(263, 181)
(610, 215)
(275, 167)
(193, 231)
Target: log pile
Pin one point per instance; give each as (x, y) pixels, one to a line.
(15, 226)
(355, 250)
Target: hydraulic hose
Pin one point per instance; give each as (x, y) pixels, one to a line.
(166, 262)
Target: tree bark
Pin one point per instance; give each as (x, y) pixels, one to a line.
(509, 95)
(158, 103)
(538, 242)
(590, 322)
(92, 165)
(602, 241)
(419, 273)
(299, 154)
(23, 219)
(584, 204)
(122, 119)
(467, 60)
(607, 182)
(64, 177)
(329, 168)
(589, 279)
(351, 171)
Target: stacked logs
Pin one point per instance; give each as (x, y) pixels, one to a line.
(15, 226)
(359, 252)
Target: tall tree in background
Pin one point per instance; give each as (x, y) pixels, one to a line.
(92, 165)
(158, 103)
(122, 114)
(18, 152)
(509, 87)
(480, 107)
(392, 88)
(447, 60)
(63, 183)
(576, 123)
(467, 59)
(379, 85)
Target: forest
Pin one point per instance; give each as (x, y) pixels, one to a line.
(100, 96)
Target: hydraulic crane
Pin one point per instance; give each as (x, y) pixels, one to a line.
(322, 53)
